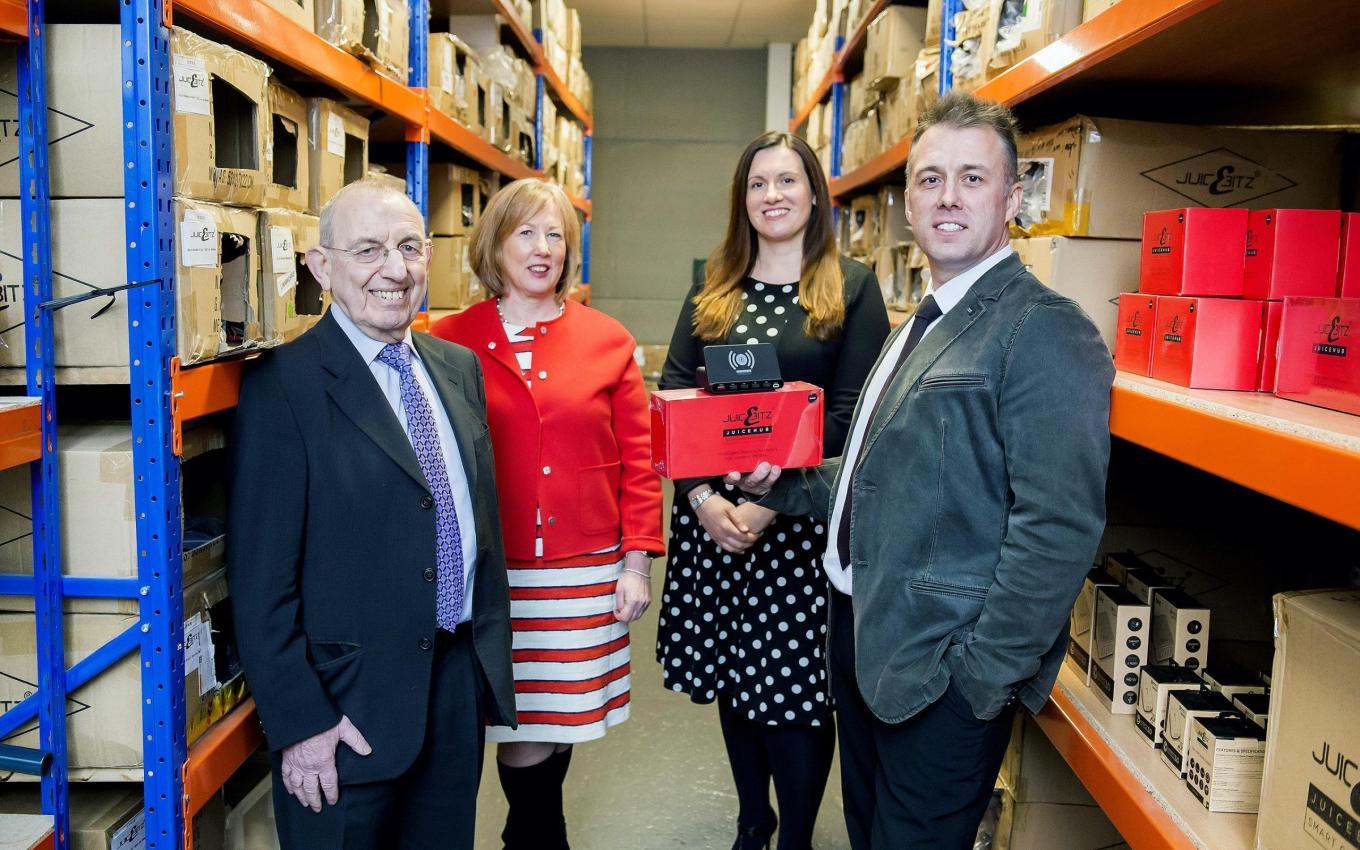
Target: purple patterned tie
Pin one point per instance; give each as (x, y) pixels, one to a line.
(424, 435)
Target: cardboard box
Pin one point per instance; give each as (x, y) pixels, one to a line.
(1254, 707)
(697, 433)
(1292, 252)
(1144, 582)
(968, 61)
(1182, 707)
(88, 252)
(1270, 346)
(864, 236)
(1224, 765)
(1079, 631)
(216, 280)
(1033, 771)
(250, 824)
(1119, 647)
(450, 61)
(452, 284)
(1180, 630)
(1193, 251)
(84, 113)
(1016, 31)
(375, 30)
(221, 126)
(1320, 353)
(111, 816)
(1135, 328)
(1348, 275)
(104, 726)
(1092, 272)
(892, 43)
(1231, 679)
(289, 169)
(1096, 176)
(521, 135)
(339, 149)
(1156, 682)
(291, 299)
(573, 32)
(455, 199)
(98, 534)
(300, 12)
(1207, 343)
(1053, 826)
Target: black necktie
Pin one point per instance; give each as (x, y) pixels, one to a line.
(926, 313)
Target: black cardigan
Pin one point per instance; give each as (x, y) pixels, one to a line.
(840, 365)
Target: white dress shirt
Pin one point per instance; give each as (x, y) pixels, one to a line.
(947, 296)
(389, 381)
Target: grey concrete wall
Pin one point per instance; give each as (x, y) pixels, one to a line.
(669, 126)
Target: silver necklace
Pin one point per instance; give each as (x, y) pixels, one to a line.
(561, 308)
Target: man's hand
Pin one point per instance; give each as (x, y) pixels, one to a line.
(632, 592)
(309, 766)
(719, 518)
(757, 483)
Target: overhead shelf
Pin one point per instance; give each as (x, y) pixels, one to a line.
(1305, 456)
(851, 52)
(20, 431)
(1137, 55)
(1149, 805)
(556, 87)
(13, 19)
(460, 138)
(582, 204)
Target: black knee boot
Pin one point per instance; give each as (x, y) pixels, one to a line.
(535, 820)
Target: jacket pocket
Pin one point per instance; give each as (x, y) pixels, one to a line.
(599, 490)
(331, 653)
(962, 380)
(942, 588)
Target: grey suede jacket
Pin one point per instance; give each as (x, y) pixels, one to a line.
(979, 503)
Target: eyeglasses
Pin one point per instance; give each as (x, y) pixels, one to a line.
(412, 251)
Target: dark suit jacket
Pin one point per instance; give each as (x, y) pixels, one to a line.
(331, 548)
(979, 501)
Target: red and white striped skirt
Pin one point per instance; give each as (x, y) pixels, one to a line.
(571, 657)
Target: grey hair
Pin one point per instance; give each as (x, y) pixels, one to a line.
(368, 184)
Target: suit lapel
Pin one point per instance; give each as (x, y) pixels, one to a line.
(448, 379)
(357, 395)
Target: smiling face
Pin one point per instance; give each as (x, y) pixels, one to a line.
(381, 298)
(959, 197)
(532, 255)
(778, 195)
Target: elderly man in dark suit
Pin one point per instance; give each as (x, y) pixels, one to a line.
(365, 561)
(966, 508)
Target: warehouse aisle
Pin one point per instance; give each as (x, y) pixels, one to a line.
(659, 781)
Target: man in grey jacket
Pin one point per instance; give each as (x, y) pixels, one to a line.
(966, 508)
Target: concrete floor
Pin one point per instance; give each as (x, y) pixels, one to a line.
(657, 782)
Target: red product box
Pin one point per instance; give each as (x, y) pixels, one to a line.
(1207, 343)
(1348, 280)
(1133, 337)
(1270, 346)
(1193, 251)
(1291, 252)
(697, 433)
(1320, 353)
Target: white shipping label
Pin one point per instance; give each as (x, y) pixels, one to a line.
(191, 86)
(193, 645)
(446, 68)
(207, 668)
(335, 134)
(197, 240)
(1031, 15)
(281, 247)
(131, 835)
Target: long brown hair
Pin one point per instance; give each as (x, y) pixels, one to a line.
(821, 287)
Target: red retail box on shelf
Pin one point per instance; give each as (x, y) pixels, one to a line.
(1133, 337)
(1348, 280)
(1320, 353)
(1291, 252)
(697, 433)
(1270, 346)
(1207, 343)
(1193, 251)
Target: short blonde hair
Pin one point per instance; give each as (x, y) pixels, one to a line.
(510, 207)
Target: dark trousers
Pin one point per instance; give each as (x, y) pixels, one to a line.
(922, 784)
(434, 803)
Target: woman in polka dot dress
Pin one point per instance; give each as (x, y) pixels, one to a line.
(744, 612)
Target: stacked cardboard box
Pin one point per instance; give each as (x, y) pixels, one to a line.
(456, 203)
(378, 31)
(453, 78)
(1016, 30)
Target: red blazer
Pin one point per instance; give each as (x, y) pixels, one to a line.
(578, 445)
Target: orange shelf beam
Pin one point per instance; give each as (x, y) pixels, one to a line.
(13, 19)
(214, 757)
(20, 434)
(1143, 823)
(520, 28)
(460, 138)
(818, 95)
(872, 172)
(197, 391)
(1318, 477)
(1118, 28)
(278, 37)
(582, 204)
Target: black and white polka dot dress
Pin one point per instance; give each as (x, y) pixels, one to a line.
(750, 627)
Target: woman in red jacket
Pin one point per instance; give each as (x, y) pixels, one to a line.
(580, 506)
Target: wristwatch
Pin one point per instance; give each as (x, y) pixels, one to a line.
(696, 501)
